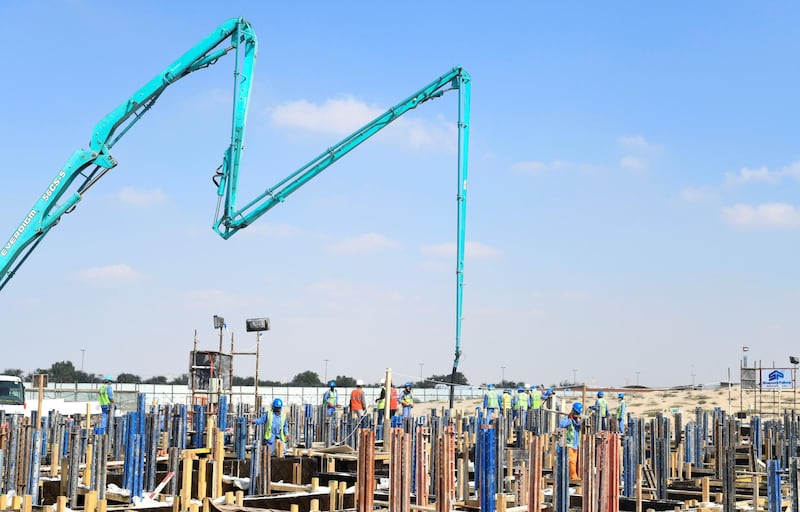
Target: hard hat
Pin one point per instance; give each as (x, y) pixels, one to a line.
(277, 403)
(520, 388)
(600, 394)
(332, 384)
(551, 391)
(527, 386)
(408, 384)
(533, 386)
(383, 380)
(359, 382)
(577, 407)
(108, 378)
(490, 386)
(621, 396)
(507, 390)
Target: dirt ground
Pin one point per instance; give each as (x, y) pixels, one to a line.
(649, 402)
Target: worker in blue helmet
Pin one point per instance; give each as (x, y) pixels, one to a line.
(621, 416)
(601, 408)
(536, 397)
(407, 400)
(571, 423)
(491, 401)
(276, 428)
(329, 399)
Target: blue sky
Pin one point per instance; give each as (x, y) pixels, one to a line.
(633, 195)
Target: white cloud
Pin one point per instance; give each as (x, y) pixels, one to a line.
(633, 163)
(763, 175)
(136, 197)
(342, 116)
(697, 194)
(368, 242)
(109, 273)
(638, 143)
(640, 150)
(764, 216)
(474, 250)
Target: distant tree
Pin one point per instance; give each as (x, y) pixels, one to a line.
(158, 379)
(306, 379)
(270, 383)
(433, 380)
(128, 378)
(180, 380)
(16, 372)
(243, 381)
(343, 381)
(62, 371)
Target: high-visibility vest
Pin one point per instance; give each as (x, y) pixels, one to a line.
(357, 399)
(268, 426)
(407, 400)
(393, 400)
(602, 406)
(491, 399)
(102, 395)
(330, 399)
(536, 399)
(572, 437)
(506, 399)
(522, 401)
(620, 410)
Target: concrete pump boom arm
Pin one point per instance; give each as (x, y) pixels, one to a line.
(86, 166)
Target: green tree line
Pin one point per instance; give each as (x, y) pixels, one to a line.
(65, 372)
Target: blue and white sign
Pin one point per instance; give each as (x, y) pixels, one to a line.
(776, 378)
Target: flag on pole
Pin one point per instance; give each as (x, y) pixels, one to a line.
(745, 348)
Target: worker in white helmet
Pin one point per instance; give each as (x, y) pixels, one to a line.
(358, 405)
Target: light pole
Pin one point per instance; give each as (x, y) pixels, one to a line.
(574, 375)
(503, 379)
(83, 353)
(257, 325)
(693, 374)
(637, 378)
(326, 371)
(420, 371)
(795, 361)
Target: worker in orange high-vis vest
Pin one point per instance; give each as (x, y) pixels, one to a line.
(358, 405)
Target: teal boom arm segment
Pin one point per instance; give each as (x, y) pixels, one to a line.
(85, 167)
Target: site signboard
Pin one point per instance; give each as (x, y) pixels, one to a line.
(776, 378)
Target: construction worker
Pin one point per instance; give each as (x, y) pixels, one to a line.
(407, 400)
(571, 424)
(521, 402)
(105, 396)
(275, 425)
(358, 405)
(536, 398)
(505, 401)
(621, 413)
(491, 402)
(329, 399)
(601, 408)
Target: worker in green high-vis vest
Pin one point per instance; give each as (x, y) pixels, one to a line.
(105, 396)
(491, 401)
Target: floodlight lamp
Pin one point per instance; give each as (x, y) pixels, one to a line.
(219, 322)
(257, 324)
(794, 360)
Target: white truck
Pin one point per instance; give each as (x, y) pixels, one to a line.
(12, 395)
